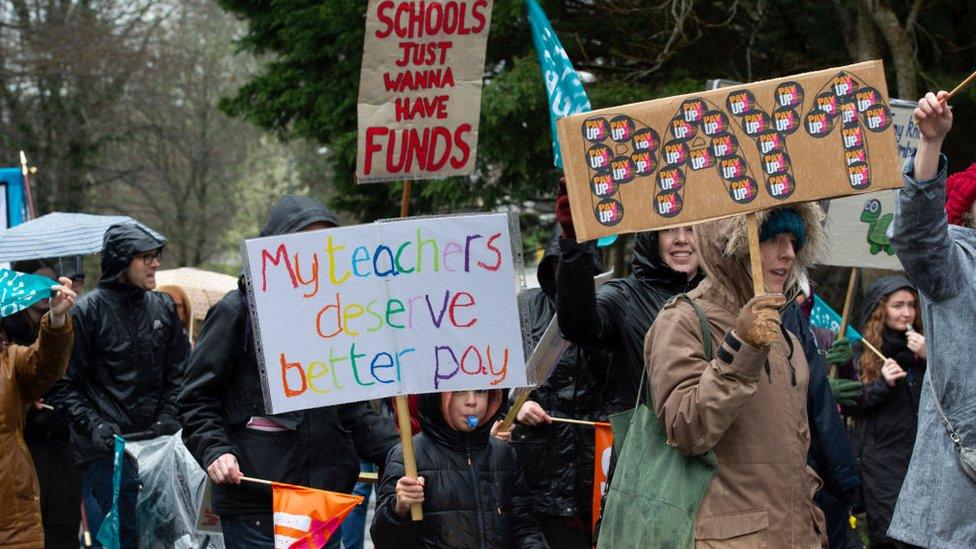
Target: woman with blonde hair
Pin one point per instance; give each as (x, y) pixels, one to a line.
(885, 418)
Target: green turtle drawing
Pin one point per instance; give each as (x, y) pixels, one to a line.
(877, 227)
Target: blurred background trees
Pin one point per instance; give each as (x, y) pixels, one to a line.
(195, 115)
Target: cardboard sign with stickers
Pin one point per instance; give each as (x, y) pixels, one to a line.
(735, 150)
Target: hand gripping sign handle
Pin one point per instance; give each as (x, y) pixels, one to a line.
(402, 409)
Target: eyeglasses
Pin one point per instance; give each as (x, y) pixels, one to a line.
(148, 257)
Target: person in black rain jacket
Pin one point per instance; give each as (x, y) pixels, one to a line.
(226, 428)
(557, 458)
(126, 366)
(616, 318)
(469, 482)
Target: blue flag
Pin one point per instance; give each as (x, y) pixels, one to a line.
(19, 291)
(12, 185)
(564, 89)
(108, 534)
(824, 317)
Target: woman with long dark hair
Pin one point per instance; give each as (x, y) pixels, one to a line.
(885, 418)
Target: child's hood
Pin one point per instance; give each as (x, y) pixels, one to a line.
(433, 408)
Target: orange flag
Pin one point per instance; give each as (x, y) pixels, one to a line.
(305, 518)
(603, 439)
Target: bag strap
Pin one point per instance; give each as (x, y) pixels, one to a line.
(945, 419)
(706, 337)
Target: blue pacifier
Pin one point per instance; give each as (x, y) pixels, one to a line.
(472, 421)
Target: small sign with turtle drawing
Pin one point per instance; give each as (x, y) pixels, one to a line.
(857, 232)
(878, 222)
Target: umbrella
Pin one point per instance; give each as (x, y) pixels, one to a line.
(60, 234)
(203, 288)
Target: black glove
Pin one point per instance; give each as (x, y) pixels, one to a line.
(164, 426)
(103, 436)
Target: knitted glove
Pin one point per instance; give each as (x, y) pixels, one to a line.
(759, 321)
(846, 391)
(563, 214)
(840, 352)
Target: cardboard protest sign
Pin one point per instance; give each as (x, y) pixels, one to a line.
(729, 151)
(857, 226)
(420, 88)
(370, 311)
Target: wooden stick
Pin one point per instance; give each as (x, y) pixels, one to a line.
(845, 315)
(369, 476)
(85, 529)
(363, 477)
(969, 79)
(573, 421)
(752, 227)
(873, 349)
(514, 410)
(25, 175)
(46, 406)
(409, 459)
(402, 409)
(405, 199)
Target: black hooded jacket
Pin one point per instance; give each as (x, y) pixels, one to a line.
(557, 458)
(126, 367)
(474, 492)
(616, 318)
(830, 450)
(222, 391)
(886, 418)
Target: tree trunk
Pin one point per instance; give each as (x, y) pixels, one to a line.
(901, 42)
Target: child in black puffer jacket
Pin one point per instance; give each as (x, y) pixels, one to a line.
(471, 487)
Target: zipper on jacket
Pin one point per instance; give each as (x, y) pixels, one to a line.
(477, 497)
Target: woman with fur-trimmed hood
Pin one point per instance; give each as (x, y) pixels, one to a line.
(749, 404)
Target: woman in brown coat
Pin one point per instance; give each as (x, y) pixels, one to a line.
(25, 374)
(748, 404)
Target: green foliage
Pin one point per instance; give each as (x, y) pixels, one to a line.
(637, 50)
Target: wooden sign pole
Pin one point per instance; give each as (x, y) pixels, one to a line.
(514, 410)
(846, 314)
(402, 408)
(752, 227)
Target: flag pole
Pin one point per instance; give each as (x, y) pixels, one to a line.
(574, 421)
(962, 85)
(363, 477)
(847, 304)
(402, 409)
(25, 175)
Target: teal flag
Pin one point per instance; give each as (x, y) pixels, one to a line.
(564, 89)
(824, 317)
(108, 534)
(19, 291)
(563, 86)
